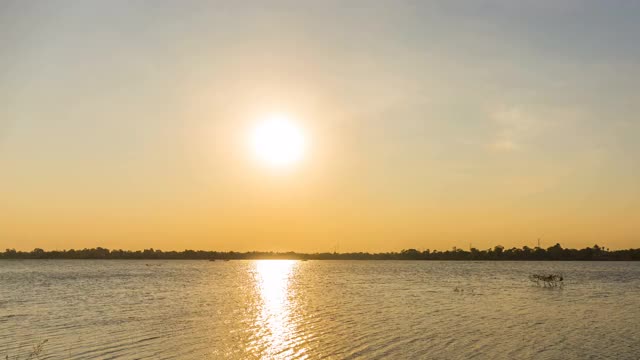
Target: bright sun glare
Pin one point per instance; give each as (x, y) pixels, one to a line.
(277, 141)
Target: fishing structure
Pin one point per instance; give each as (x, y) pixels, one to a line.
(547, 280)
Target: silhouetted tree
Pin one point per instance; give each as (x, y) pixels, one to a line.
(555, 252)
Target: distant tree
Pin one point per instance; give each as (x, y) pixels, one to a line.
(498, 251)
(555, 252)
(37, 253)
(412, 254)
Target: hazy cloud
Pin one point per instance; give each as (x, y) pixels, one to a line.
(513, 125)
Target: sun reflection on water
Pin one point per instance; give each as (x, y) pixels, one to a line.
(275, 327)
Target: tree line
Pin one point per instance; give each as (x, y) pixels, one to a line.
(556, 252)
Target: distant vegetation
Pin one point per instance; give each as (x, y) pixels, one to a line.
(555, 252)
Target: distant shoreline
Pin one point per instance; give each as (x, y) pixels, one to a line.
(498, 253)
(311, 259)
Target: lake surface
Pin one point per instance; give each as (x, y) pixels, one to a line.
(318, 309)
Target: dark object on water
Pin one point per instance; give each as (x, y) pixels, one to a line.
(212, 259)
(548, 280)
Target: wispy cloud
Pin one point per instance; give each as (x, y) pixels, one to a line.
(513, 125)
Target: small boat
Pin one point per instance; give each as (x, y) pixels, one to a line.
(212, 259)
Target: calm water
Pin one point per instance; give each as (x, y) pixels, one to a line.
(318, 309)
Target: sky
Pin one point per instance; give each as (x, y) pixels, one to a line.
(428, 124)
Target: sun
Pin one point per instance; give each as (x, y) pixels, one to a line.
(278, 141)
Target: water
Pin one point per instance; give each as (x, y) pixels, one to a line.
(318, 309)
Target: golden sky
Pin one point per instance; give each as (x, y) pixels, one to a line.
(426, 124)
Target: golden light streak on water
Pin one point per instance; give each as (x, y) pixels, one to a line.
(276, 329)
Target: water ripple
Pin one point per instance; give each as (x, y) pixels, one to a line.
(317, 309)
